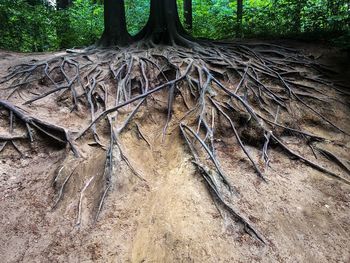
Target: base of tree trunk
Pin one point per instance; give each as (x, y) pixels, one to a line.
(251, 93)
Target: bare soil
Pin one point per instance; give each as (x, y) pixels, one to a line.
(170, 216)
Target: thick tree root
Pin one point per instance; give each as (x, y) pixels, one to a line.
(57, 133)
(252, 93)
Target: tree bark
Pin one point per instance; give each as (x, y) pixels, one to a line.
(239, 18)
(188, 14)
(164, 26)
(63, 32)
(34, 2)
(63, 4)
(115, 32)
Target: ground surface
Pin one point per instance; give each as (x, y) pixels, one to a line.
(170, 217)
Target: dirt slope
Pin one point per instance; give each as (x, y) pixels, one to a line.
(169, 215)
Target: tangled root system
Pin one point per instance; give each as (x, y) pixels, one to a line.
(250, 92)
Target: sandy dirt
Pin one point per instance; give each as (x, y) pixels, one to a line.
(170, 216)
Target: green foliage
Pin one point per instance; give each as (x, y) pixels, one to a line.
(80, 25)
(216, 19)
(32, 25)
(213, 19)
(137, 12)
(26, 27)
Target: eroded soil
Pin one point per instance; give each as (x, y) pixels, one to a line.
(170, 216)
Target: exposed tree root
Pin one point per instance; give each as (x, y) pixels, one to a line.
(253, 93)
(333, 157)
(55, 132)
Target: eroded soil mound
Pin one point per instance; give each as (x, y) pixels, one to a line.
(159, 208)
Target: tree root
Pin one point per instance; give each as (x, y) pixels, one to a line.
(253, 87)
(57, 133)
(333, 157)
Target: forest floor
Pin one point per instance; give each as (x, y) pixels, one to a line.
(170, 217)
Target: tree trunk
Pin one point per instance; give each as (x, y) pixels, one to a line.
(239, 18)
(63, 4)
(333, 10)
(115, 32)
(188, 14)
(164, 26)
(35, 2)
(63, 32)
(297, 21)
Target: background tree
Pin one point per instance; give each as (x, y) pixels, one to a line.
(188, 14)
(334, 9)
(115, 32)
(211, 19)
(36, 2)
(239, 17)
(63, 4)
(63, 30)
(297, 7)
